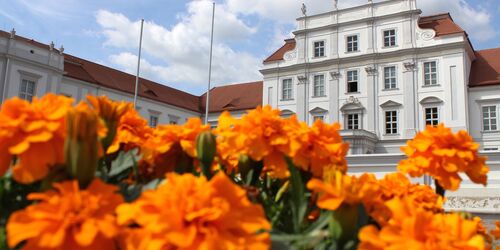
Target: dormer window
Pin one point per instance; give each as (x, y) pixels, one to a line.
(319, 49)
(352, 43)
(390, 38)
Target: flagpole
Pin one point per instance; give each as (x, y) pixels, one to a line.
(138, 65)
(210, 64)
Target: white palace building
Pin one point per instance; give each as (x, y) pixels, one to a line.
(381, 69)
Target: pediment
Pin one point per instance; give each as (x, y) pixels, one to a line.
(318, 110)
(390, 104)
(431, 100)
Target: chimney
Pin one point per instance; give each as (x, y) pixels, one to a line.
(12, 33)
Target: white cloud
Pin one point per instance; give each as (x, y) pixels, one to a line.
(183, 50)
(476, 21)
(179, 54)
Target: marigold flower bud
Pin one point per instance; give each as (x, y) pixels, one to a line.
(206, 147)
(82, 144)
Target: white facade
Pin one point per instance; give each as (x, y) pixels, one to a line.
(376, 87)
(28, 69)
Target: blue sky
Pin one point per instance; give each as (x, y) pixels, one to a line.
(177, 32)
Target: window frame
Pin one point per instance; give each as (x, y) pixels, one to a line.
(395, 37)
(393, 123)
(490, 118)
(155, 118)
(394, 77)
(354, 44)
(321, 88)
(321, 117)
(348, 89)
(432, 119)
(321, 48)
(431, 74)
(348, 122)
(23, 92)
(290, 89)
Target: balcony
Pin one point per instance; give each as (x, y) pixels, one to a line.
(360, 141)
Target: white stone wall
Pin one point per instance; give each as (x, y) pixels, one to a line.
(414, 47)
(478, 98)
(46, 69)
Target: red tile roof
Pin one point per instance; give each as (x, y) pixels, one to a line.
(278, 55)
(91, 72)
(234, 97)
(485, 70)
(443, 24)
(26, 40)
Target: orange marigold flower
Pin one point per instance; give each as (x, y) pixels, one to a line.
(319, 148)
(132, 132)
(34, 132)
(340, 188)
(415, 228)
(170, 145)
(261, 134)
(496, 231)
(68, 218)
(111, 113)
(397, 185)
(442, 154)
(187, 212)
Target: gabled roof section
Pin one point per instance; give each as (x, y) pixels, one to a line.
(280, 53)
(443, 24)
(235, 97)
(91, 72)
(485, 70)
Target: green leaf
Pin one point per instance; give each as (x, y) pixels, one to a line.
(298, 194)
(125, 161)
(320, 223)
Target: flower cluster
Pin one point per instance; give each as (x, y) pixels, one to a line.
(192, 213)
(265, 136)
(170, 148)
(421, 229)
(341, 189)
(442, 154)
(225, 188)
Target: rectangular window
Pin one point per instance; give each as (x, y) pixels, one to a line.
(352, 43)
(430, 73)
(490, 118)
(353, 121)
(319, 117)
(319, 49)
(286, 91)
(153, 121)
(391, 122)
(27, 90)
(352, 81)
(389, 38)
(319, 85)
(431, 116)
(390, 77)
